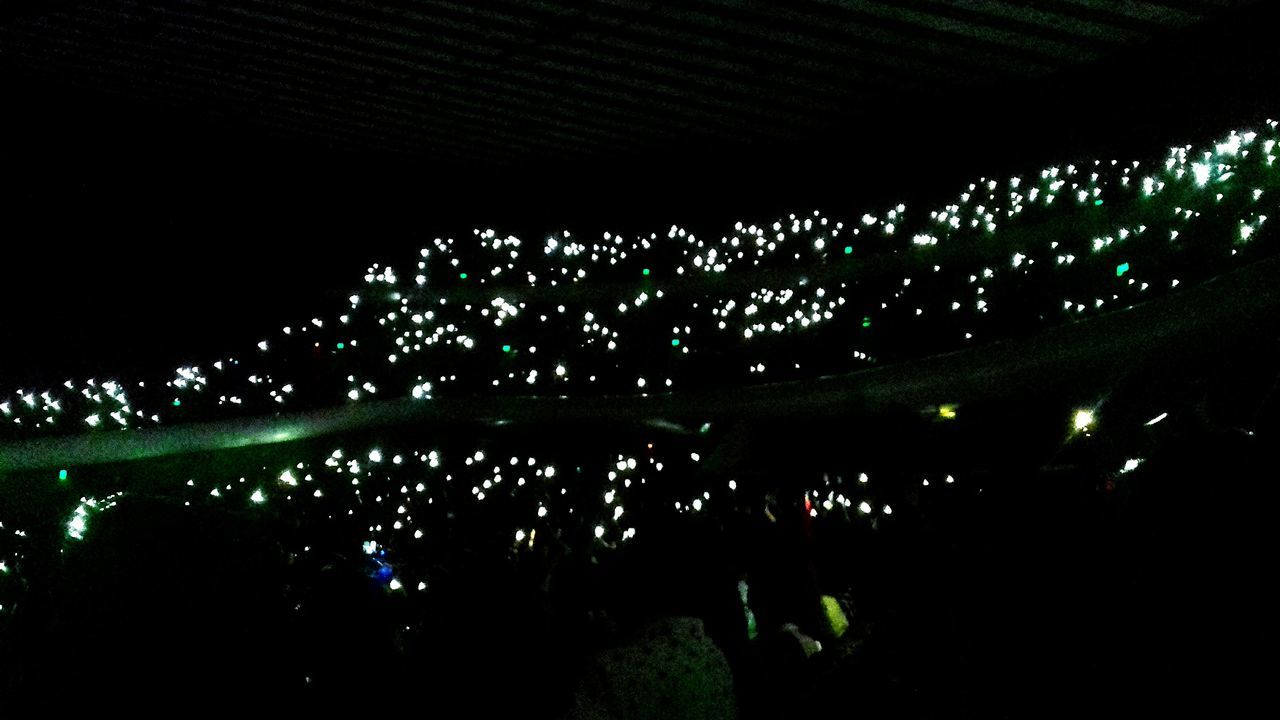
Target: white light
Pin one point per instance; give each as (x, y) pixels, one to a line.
(888, 510)
(394, 584)
(1083, 420)
(865, 507)
(1201, 172)
(599, 531)
(1157, 419)
(258, 497)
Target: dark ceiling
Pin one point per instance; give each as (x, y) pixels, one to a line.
(182, 158)
(502, 83)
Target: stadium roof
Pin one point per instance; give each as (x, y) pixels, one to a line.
(500, 84)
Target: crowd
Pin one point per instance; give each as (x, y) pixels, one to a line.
(794, 299)
(579, 568)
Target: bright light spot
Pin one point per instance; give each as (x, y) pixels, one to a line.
(865, 507)
(1157, 419)
(258, 497)
(1083, 420)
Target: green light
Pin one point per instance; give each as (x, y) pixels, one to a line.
(646, 272)
(462, 275)
(836, 619)
(342, 346)
(176, 402)
(62, 474)
(848, 249)
(1097, 202)
(706, 428)
(506, 348)
(1121, 269)
(675, 342)
(866, 321)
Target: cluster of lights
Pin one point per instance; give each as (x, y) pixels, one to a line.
(401, 500)
(592, 316)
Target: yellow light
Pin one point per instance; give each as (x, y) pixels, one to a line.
(1083, 420)
(947, 412)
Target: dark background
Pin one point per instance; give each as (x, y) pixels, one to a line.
(140, 234)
